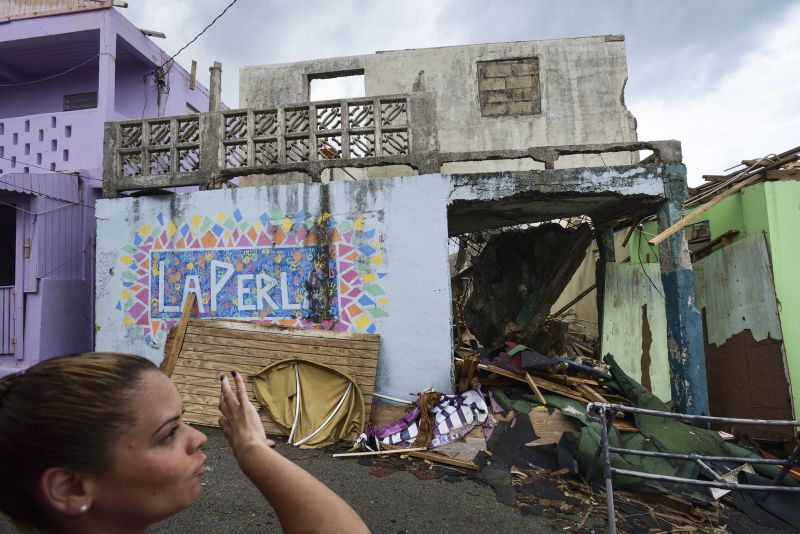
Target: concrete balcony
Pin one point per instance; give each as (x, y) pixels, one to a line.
(210, 148)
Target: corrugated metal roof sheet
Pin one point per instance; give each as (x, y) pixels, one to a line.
(24, 9)
(55, 185)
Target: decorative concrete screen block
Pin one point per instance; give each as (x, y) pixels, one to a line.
(509, 87)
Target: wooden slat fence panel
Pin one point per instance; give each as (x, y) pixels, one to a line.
(212, 347)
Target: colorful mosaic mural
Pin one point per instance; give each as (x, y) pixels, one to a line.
(255, 268)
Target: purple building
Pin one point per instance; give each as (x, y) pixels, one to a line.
(67, 66)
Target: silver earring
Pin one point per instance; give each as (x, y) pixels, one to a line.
(84, 508)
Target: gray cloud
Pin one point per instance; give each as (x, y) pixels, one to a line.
(682, 54)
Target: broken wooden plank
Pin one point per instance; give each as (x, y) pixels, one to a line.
(724, 239)
(193, 75)
(376, 453)
(541, 383)
(535, 389)
(702, 209)
(624, 426)
(590, 393)
(549, 426)
(170, 358)
(434, 457)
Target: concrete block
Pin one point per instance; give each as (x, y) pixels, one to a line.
(519, 82)
(520, 108)
(490, 97)
(522, 94)
(492, 84)
(529, 66)
(498, 108)
(496, 70)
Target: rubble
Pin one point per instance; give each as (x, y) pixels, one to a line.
(539, 448)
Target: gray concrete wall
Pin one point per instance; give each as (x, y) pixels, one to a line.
(581, 84)
(390, 254)
(391, 239)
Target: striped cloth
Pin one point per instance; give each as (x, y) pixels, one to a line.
(454, 416)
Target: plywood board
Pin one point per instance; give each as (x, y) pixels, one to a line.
(635, 324)
(549, 426)
(212, 347)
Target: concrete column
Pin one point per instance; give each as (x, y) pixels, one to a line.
(604, 236)
(687, 363)
(215, 87)
(106, 83)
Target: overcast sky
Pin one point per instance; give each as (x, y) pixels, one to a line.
(721, 76)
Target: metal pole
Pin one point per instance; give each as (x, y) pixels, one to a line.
(595, 406)
(612, 520)
(793, 459)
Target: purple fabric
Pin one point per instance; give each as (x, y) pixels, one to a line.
(450, 423)
(395, 426)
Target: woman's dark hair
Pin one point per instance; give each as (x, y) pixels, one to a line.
(63, 412)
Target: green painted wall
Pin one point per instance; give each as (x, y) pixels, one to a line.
(774, 209)
(745, 211)
(782, 201)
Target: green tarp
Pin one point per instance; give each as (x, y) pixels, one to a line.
(659, 434)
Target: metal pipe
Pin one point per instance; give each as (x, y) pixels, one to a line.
(791, 461)
(695, 457)
(708, 470)
(607, 474)
(707, 483)
(604, 414)
(705, 418)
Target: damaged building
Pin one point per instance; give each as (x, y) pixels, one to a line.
(339, 214)
(477, 236)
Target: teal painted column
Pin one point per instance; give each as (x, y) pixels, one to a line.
(687, 362)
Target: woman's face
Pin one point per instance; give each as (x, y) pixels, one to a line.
(157, 462)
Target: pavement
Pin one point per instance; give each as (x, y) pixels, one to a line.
(398, 503)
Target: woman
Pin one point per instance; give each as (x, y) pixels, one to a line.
(95, 443)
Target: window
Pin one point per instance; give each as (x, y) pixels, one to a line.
(697, 235)
(335, 86)
(80, 101)
(509, 87)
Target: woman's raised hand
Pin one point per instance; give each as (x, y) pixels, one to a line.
(239, 420)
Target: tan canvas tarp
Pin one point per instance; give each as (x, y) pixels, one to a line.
(316, 404)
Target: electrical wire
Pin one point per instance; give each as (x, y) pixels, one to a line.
(86, 250)
(639, 258)
(45, 195)
(198, 35)
(26, 164)
(37, 213)
(79, 65)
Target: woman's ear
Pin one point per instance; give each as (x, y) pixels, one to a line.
(65, 490)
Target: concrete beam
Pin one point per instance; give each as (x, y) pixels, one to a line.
(624, 180)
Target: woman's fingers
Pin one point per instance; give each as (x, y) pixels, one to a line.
(241, 393)
(226, 397)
